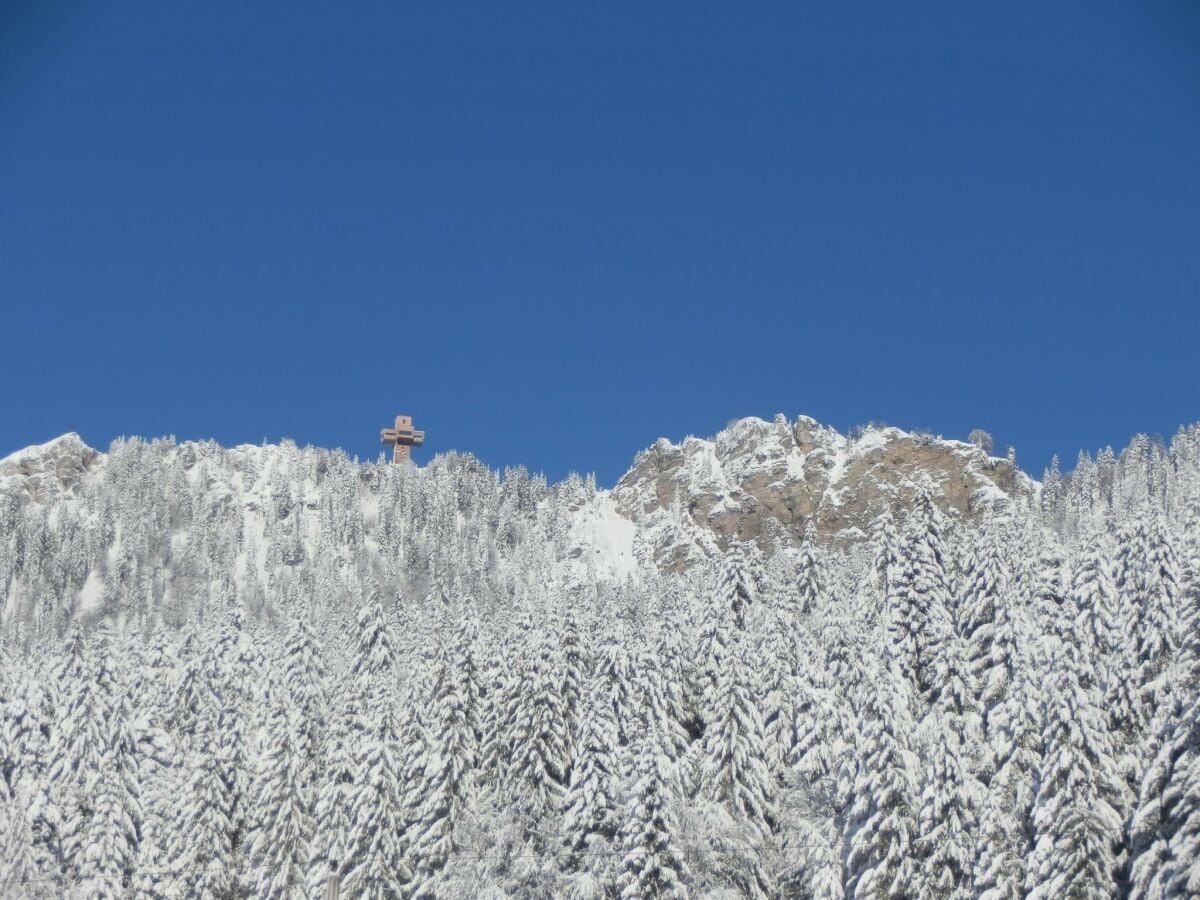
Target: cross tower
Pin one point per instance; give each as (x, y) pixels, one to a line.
(402, 438)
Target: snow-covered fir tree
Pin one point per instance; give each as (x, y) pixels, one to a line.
(592, 810)
(238, 672)
(281, 818)
(880, 821)
(1075, 827)
(653, 863)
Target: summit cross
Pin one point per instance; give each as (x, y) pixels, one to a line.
(402, 438)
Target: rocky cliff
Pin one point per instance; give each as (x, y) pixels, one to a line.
(763, 481)
(47, 471)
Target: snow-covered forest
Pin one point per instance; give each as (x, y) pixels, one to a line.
(235, 672)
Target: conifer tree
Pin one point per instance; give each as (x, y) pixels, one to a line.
(160, 796)
(879, 827)
(574, 667)
(817, 748)
(1049, 594)
(79, 745)
(814, 867)
(27, 870)
(885, 556)
(537, 767)
(714, 640)
(1014, 752)
(1095, 598)
(278, 842)
(1052, 491)
(1165, 831)
(1157, 631)
(110, 844)
(904, 626)
(947, 820)
(919, 614)
(374, 866)
(984, 587)
(735, 590)
(653, 865)
(1000, 863)
(1189, 618)
(497, 688)
(734, 770)
(331, 829)
(1127, 715)
(375, 651)
(1074, 825)
(202, 846)
(659, 681)
(26, 719)
(1147, 589)
(415, 762)
(931, 600)
(447, 783)
(952, 690)
(191, 691)
(132, 747)
(776, 691)
(810, 579)
(235, 668)
(468, 670)
(591, 808)
(304, 673)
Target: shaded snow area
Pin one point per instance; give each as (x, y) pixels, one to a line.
(243, 672)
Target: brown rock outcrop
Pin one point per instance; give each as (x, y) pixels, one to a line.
(757, 473)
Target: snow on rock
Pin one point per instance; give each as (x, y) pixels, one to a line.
(760, 480)
(44, 472)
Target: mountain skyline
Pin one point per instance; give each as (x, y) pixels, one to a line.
(553, 236)
(423, 455)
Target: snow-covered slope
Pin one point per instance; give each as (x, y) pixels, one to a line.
(494, 662)
(601, 540)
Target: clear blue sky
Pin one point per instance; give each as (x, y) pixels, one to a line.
(556, 231)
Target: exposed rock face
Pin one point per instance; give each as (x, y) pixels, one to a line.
(761, 480)
(46, 472)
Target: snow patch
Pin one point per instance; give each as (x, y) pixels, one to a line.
(92, 592)
(601, 540)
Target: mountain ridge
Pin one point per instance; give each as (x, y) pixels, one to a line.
(754, 481)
